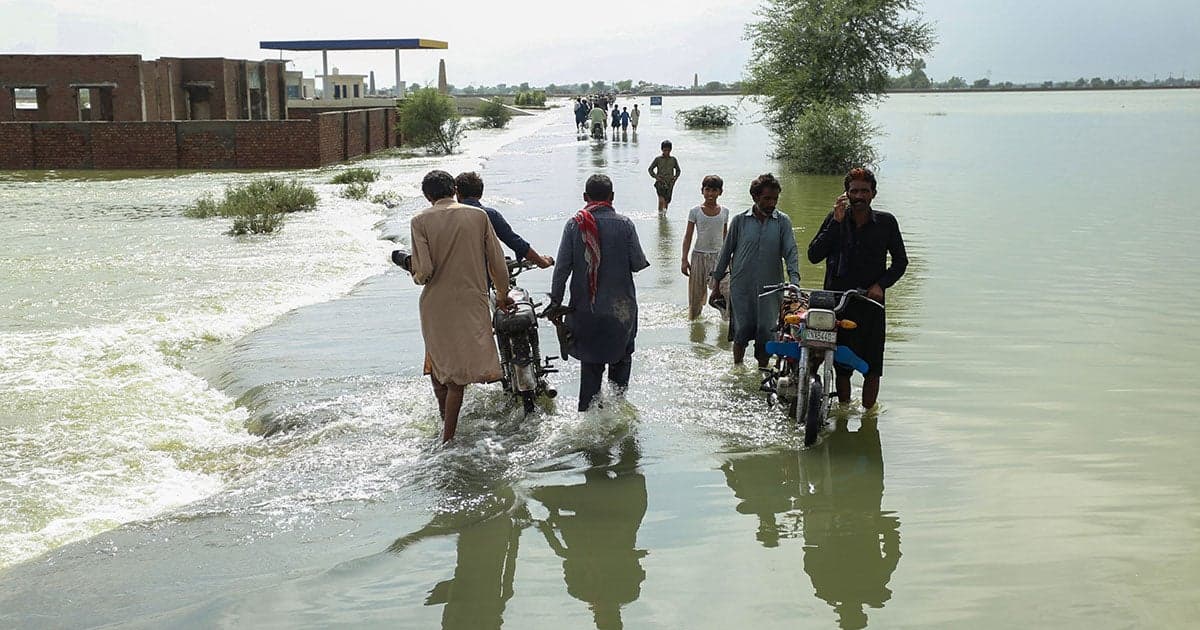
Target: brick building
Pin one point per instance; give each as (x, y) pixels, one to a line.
(124, 88)
(118, 111)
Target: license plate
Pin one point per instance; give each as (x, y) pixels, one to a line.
(826, 336)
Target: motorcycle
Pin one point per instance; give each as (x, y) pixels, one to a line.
(805, 350)
(516, 330)
(597, 128)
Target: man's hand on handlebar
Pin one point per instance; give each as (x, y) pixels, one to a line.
(503, 302)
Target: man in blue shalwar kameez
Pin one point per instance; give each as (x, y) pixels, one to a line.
(758, 240)
(599, 252)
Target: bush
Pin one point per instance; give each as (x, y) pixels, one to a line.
(356, 190)
(430, 119)
(828, 139)
(536, 98)
(493, 114)
(706, 117)
(387, 198)
(258, 207)
(358, 174)
(204, 208)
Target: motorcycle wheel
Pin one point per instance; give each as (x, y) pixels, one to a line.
(528, 399)
(814, 420)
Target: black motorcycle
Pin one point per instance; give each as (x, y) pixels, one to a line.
(516, 330)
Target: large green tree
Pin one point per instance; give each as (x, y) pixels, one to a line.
(837, 51)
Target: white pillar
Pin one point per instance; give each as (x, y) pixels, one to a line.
(324, 74)
(398, 95)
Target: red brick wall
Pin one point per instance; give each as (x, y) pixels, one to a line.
(6, 104)
(147, 145)
(62, 145)
(206, 144)
(356, 133)
(323, 140)
(58, 72)
(275, 144)
(17, 142)
(332, 137)
(150, 83)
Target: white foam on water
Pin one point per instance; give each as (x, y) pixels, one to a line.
(101, 422)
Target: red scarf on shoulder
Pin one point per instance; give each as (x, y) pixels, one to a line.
(591, 243)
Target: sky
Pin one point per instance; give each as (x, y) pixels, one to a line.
(659, 41)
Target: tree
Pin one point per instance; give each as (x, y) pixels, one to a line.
(429, 118)
(981, 83)
(956, 83)
(625, 86)
(524, 86)
(828, 139)
(814, 51)
(493, 114)
(714, 85)
(599, 86)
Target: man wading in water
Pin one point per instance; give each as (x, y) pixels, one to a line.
(599, 253)
(855, 254)
(758, 238)
(454, 250)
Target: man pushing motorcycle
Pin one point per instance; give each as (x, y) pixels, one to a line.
(855, 241)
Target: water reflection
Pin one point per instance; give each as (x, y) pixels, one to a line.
(830, 497)
(486, 563)
(593, 527)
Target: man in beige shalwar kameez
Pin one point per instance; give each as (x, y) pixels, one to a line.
(454, 250)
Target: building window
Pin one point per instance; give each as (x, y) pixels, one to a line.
(26, 98)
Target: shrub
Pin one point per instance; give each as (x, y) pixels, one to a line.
(536, 98)
(430, 119)
(356, 190)
(493, 114)
(205, 207)
(358, 174)
(706, 117)
(387, 198)
(257, 207)
(828, 139)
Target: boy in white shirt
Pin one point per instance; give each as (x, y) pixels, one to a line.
(709, 222)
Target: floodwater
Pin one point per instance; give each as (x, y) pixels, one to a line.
(199, 430)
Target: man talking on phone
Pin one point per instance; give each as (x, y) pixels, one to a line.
(855, 241)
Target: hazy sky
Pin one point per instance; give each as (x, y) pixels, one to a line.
(663, 41)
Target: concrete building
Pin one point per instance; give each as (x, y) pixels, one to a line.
(298, 87)
(343, 86)
(125, 88)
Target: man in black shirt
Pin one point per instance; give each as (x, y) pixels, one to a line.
(855, 241)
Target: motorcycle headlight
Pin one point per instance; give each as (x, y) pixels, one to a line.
(821, 319)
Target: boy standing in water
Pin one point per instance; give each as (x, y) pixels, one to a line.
(665, 170)
(709, 222)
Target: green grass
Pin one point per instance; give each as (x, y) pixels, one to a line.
(354, 175)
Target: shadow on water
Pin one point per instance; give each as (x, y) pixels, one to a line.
(592, 526)
(830, 497)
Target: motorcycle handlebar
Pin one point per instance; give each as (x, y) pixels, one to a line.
(846, 295)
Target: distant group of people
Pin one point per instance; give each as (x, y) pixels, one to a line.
(456, 248)
(589, 113)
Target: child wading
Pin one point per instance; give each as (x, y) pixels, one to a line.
(665, 170)
(709, 222)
